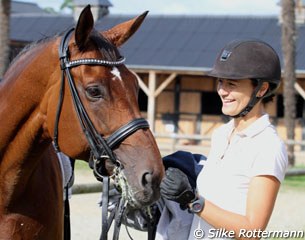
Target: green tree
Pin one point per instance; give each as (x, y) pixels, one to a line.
(49, 10)
(67, 4)
(5, 8)
(289, 77)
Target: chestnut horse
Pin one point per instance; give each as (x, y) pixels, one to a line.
(96, 98)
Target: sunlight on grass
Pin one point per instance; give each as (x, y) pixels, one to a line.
(82, 166)
(290, 183)
(295, 182)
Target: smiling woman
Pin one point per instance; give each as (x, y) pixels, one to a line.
(247, 161)
(234, 95)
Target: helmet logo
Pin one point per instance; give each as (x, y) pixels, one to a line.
(225, 55)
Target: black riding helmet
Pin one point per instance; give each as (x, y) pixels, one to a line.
(249, 59)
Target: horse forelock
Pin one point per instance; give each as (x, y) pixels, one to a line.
(106, 48)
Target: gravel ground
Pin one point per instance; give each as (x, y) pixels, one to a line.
(86, 219)
(288, 214)
(289, 211)
(86, 215)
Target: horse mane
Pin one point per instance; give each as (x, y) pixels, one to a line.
(30, 46)
(108, 50)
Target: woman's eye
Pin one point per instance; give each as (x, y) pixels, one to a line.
(94, 92)
(232, 84)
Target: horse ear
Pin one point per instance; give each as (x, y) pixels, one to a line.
(84, 27)
(119, 34)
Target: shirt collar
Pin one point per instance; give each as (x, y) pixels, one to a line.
(256, 127)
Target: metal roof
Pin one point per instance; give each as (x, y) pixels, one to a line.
(174, 42)
(25, 7)
(30, 23)
(194, 41)
(32, 27)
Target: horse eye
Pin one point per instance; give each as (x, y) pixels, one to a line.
(94, 92)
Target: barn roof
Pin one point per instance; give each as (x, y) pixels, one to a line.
(194, 41)
(25, 7)
(168, 42)
(32, 27)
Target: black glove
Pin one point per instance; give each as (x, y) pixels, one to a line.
(175, 186)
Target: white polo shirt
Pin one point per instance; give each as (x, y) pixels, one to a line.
(226, 176)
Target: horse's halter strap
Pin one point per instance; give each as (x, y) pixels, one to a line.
(101, 148)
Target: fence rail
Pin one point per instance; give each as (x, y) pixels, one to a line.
(169, 143)
(172, 146)
(198, 137)
(98, 187)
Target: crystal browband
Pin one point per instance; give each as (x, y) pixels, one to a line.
(92, 61)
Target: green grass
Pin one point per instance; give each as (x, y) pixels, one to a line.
(295, 182)
(290, 183)
(81, 165)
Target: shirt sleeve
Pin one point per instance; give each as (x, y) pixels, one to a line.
(272, 160)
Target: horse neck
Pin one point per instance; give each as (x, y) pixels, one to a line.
(22, 89)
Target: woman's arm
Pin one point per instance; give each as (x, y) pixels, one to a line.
(260, 202)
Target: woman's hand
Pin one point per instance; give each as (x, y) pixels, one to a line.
(175, 186)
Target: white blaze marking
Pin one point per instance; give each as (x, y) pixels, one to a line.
(115, 71)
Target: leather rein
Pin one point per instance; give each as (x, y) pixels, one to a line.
(101, 148)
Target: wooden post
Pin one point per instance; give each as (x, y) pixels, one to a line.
(151, 108)
(165, 83)
(152, 93)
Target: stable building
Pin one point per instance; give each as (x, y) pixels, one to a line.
(171, 56)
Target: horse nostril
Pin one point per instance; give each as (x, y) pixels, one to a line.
(147, 178)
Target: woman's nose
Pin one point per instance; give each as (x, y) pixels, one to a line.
(222, 91)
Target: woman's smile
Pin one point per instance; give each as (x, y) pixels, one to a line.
(234, 94)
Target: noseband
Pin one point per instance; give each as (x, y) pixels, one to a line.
(101, 148)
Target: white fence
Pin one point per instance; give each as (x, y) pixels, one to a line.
(169, 143)
(173, 144)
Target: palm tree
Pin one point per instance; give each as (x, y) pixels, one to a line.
(5, 8)
(289, 54)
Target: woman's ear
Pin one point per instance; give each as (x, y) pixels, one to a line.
(263, 90)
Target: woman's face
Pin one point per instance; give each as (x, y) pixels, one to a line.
(234, 94)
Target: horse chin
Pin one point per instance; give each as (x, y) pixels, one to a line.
(136, 198)
(144, 198)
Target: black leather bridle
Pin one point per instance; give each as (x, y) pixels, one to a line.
(101, 148)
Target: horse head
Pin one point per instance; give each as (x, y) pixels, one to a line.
(108, 93)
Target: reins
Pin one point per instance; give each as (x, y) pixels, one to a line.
(101, 148)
